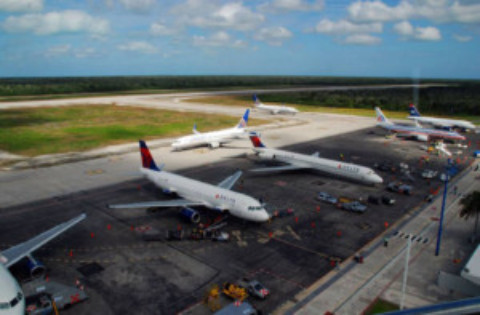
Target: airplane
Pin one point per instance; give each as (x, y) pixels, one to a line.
(299, 161)
(273, 109)
(415, 132)
(193, 193)
(442, 123)
(12, 299)
(214, 138)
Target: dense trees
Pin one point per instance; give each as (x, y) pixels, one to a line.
(459, 97)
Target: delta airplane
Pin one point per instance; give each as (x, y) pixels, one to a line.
(416, 132)
(214, 138)
(12, 300)
(439, 122)
(195, 193)
(298, 161)
(273, 109)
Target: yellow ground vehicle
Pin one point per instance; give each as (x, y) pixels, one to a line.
(234, 291)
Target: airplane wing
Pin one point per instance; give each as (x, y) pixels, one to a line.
(157, 204)
(17, 252)
(228, 182)
(278, 168)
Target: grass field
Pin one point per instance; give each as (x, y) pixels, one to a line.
(380, 307)
(47, 130)
(247, 101)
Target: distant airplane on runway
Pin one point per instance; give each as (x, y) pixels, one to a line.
(195, 193)
(439, 122)
(415, 132)
(213, 139)
(12, 300)
(297, 161)
(273, 109)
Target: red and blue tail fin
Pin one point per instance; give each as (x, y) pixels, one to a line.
(244, 120)
(381, 117)
(413, 110)
(147, 159)
(255, 138)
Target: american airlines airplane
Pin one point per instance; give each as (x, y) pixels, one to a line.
(415, 132)
(273, 109)
(195, 193)
(214, 138)
(298, 161)
(439, 122)
(12, 300)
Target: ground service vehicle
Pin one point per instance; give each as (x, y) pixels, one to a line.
(400, 188)
(354, 206)
(234, 291)
(323, 196)
(254, 288)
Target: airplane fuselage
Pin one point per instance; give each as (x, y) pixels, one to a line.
(444, 122)
(347, 170)
(213, 139)
(12, 301)
(277, 109)
(213, 197)
(423, 134)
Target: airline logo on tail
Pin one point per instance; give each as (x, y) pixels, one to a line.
(257, 143)
(244, 120)
(256, 100)
(413, 110)
(380, 117)
(147, 159)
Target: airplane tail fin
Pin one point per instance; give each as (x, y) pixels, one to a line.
(256, 100)
(194, 130)
(244, 120)
(255, 138)
(147, 159)
(381, 117)
(413, 111)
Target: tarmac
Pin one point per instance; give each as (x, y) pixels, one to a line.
(292, 258)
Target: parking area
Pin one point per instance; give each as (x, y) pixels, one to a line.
(121, 270)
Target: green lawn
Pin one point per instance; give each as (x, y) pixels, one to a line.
(380, 307)
(47, 130)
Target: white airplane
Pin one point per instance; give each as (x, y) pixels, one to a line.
(195, 193)
(439, 122)
(12, 300)
(214, 138)
(298, 161)
(273, 109)
(416, 132)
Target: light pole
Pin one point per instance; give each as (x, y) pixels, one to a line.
(440, 227)
(405, 271)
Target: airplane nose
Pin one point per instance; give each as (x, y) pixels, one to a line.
(377, 179)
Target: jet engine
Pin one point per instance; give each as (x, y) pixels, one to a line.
(36, 268)
(214, 145)
(423, 138)
(190, 215)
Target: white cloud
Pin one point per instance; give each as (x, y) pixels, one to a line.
(58, 50)
(138, 46)
(21, 5)
(462, 38)
(85, 52)
(214, 14)
(273, 35)
(407, 31)
(218, 39)
(362, 39)
(326, 26)
(292, 5)
(139, 6)
(160, 29)
(442, 11)
(69, 21)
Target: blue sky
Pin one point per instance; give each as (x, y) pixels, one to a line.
(393, 38)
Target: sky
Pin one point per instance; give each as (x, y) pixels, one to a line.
(387, 38)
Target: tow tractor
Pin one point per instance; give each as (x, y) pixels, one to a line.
(47, 297)
(234, 291)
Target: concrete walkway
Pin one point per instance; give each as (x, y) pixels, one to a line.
(352, 288)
